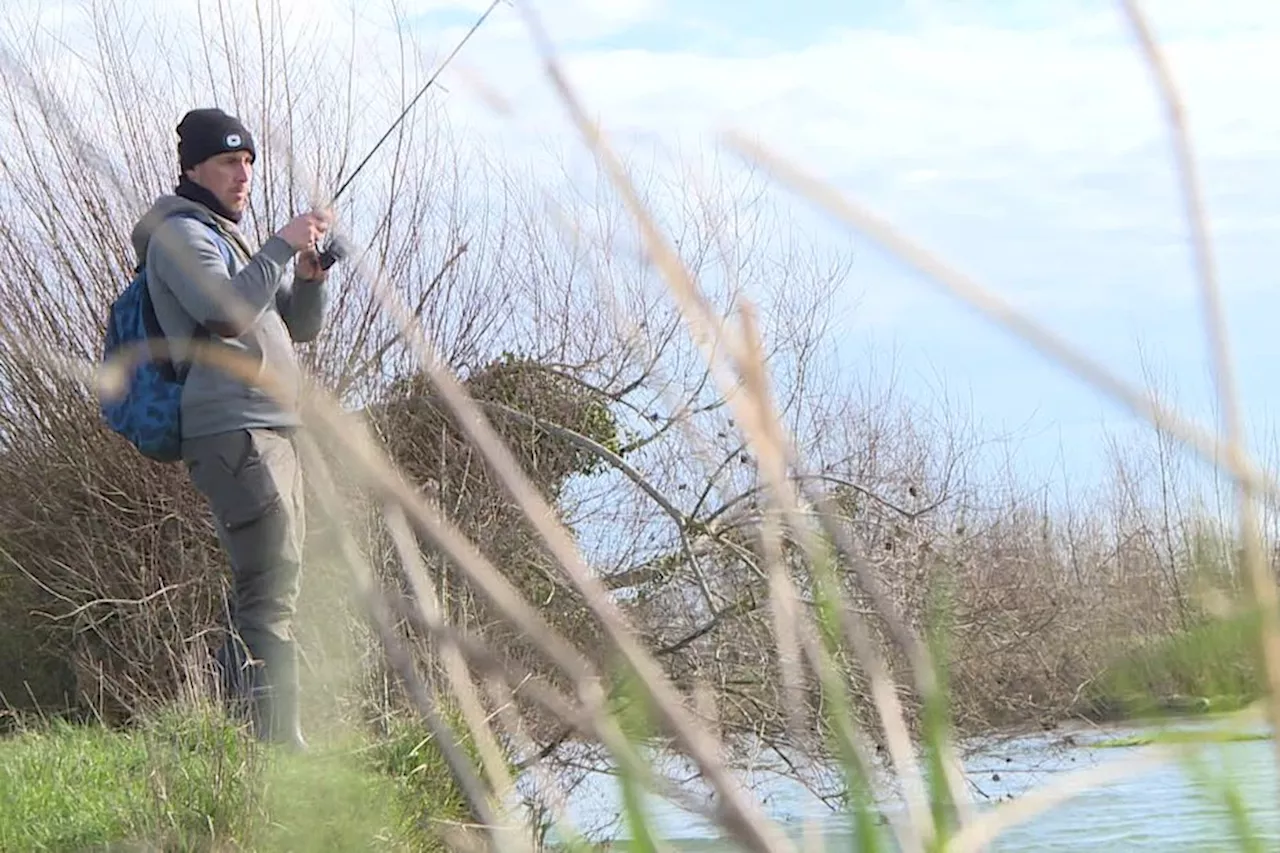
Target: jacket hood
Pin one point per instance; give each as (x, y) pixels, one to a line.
(167, 205)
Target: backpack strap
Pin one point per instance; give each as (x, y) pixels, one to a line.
(200, 332)
(224, 248)
(224, 245)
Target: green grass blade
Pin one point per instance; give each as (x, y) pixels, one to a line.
(936, 710)
(839, 707)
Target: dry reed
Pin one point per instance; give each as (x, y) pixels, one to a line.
(799, 525)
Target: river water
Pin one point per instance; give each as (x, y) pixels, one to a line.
(1167, 806)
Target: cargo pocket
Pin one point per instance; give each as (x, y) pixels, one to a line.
(238, 473)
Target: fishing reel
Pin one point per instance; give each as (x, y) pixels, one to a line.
(336, 250)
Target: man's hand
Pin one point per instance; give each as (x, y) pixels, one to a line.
(306, 229)
(308, 267)
(303, 233)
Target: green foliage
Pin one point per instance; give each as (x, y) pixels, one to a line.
(1214, 665)
(629, 705)
(936, 712)
(189, 781)
(70, 787)
(839, 703)
(330, 802)
(528, 405)
(426, 795)
(634, 714)
(418, 427)
(1180, 736)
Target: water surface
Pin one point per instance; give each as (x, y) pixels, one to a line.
(1162, 807)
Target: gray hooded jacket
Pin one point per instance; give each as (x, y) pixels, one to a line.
(248, 308)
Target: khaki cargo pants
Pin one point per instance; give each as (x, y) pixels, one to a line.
(253, 482)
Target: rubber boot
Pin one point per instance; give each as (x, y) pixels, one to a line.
(277, 717)
(235, 675)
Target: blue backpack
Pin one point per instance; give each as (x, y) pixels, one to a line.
(149, 411)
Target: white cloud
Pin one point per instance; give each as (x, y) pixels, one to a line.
(1037, 158)
(1062, 126)
(936, 99)
(964, 130)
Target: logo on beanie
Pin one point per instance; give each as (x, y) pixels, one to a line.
(233, 140)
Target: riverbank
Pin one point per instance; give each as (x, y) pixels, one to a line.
(1214, 666)
(187, 781)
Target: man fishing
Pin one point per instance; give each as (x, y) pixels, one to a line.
(237, 438)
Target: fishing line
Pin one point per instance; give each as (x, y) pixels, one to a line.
(337, 249)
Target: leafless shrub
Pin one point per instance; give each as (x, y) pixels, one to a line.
(567, 343)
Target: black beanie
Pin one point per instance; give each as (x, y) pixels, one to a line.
(204, 133)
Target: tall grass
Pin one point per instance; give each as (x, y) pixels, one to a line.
(841, 596)
(189, 780)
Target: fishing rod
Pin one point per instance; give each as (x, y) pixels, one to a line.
(337, 248)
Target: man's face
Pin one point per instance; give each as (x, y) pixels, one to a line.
(228, 176)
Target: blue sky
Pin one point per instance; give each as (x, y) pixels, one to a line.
(1021, 139)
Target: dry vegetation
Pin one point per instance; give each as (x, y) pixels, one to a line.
(111, 583)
